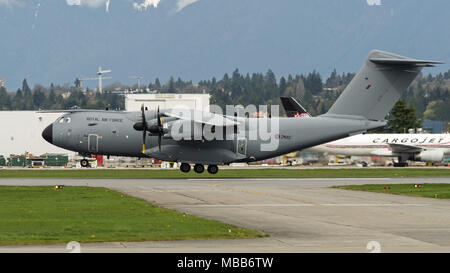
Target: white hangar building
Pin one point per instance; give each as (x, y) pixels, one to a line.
(21, 131)
(200, 102)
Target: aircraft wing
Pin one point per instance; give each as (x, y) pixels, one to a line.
(402, 148)
(77, 111)
(200, 117)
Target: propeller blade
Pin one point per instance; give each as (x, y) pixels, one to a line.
(159, 141)
(160, 129)
(143, 143)
(159, 118)
(144, 121)
(144, 127)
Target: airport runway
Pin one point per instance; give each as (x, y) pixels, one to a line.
(300, 215)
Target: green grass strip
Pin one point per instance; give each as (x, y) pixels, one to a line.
(227, 173)
(430, 190)
(41, 215)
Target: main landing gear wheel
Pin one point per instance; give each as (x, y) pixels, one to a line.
(184, 167)
(199, 168)
(213, 169)
(84, 163)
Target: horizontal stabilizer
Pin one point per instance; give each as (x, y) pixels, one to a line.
(404, 62)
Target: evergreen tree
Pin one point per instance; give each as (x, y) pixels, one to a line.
(402, 118)
(171, 87)
(313, 82)
(299, 88)
(27, 96)
(5, 103)
(157, 84)
(270, 85)
(282, 87)
(17, 102)
(52, 97)
(39, 98)
(333, 80)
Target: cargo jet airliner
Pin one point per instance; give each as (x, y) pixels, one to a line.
(413, 147)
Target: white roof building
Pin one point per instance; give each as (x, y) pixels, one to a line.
(21, 131)
(200, 102)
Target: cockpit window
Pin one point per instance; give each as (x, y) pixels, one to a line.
(68, 120)
(61, 120)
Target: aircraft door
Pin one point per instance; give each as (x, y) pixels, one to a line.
(241, 146)
(93, 143)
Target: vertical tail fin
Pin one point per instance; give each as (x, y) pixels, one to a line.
(378, 85)
(293, 108)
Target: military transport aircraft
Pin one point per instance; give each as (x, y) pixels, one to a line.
(185, 136)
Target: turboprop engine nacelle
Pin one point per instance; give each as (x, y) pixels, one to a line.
(430, 156)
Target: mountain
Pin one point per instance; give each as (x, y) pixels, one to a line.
(51, 41)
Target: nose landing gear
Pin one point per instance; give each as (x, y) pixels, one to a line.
(84, 163)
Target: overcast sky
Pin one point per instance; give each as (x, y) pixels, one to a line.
(58, 40)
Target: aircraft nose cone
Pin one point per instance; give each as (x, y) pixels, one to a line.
(47, 134)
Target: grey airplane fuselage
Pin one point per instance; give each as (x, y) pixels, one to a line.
(365, 101)
(112, 133)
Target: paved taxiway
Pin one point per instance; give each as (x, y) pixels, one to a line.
(300, 215)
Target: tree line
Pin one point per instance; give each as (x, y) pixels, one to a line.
(56, 98)
(426, 98)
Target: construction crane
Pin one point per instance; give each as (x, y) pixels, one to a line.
(93, 79)
(100, 79)
(100, 73)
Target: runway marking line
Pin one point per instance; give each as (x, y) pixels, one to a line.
(308, 205)
(288, 179)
